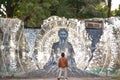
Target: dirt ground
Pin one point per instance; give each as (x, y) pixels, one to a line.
(70, 78)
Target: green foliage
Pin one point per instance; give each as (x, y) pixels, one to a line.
(35, 11)
(10, 6)
(116, 78)
(38, 9)
(117, 12)
(102, 10)
(96, 70)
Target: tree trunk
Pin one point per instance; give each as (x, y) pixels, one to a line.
(10, 11)
(109, 8)
(76, 9)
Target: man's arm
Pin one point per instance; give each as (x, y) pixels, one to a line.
(59, 63)
(66, 63)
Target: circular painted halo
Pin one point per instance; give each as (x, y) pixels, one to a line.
(77, 36)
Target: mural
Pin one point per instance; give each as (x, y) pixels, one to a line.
(76, 37)
(93, 51)
(91, 47)
(61, 46)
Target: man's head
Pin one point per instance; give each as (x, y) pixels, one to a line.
(62, 54)
(62, 33)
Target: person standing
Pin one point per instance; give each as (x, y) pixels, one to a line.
(62, 64)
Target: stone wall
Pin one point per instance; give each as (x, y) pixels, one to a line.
(19, 54)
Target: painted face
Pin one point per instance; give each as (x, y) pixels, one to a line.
(63, 35)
